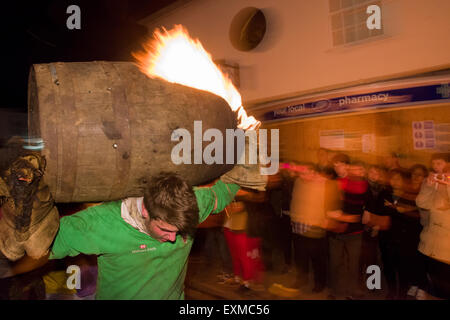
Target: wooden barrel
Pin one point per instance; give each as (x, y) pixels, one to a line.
(107, 127)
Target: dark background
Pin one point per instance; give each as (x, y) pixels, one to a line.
(36, 32)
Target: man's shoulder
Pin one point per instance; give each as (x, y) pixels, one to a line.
(105, 209)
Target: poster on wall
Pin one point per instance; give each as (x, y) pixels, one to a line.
(368, 143)
(423, 135)
(348, 141)
(332, 139)
(353, 141)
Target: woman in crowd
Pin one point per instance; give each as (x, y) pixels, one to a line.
(435, 237)
(372, 225)
(308, 219)
(245, 247)
(398, 245)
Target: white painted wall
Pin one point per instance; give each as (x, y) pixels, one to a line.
(297, 56)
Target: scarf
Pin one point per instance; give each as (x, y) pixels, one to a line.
(131, 212)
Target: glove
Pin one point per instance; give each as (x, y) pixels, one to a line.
(29, 220)
(246, 175)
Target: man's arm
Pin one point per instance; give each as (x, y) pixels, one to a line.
(343, 217)
(425, 198)
(214, 199)
(87, 231)
(251, 196)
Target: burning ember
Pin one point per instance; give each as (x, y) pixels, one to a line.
(175, 57)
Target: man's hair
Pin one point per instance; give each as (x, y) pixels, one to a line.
(341, 157)
(171, 199)
(399, 172)
(440, 156)
(359, 163)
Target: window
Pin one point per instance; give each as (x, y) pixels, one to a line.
(348, 20)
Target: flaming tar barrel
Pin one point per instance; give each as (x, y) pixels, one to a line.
(106, 127)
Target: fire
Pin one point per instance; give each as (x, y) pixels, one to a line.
(175, 57)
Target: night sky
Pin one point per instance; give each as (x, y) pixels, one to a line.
(36, 32)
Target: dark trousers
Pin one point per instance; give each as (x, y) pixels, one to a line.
(369, 250)
(401, 258)
(369, 253)
(345, 252)
(314, 250)
(283, 239)
(439, 273)
(217, 248)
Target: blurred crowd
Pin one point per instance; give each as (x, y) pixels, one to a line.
(340, 226)
(338, 221)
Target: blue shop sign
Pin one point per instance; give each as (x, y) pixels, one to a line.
(374, 100)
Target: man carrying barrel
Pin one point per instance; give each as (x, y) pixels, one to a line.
(143, 243)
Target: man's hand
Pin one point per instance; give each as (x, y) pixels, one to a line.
(336, 214)
(251, 196)
(389, 204)
(351, 218)
(26, 264)
(340, 216)
(383, 222)
(335, 226)
(366, 217)
(247, 176)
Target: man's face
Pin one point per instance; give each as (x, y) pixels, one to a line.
(162, 231)
(357, 171)
(390, 162)
(396, 182)
(158, 229)
(417, 176)
(374, 175)
(341, 169)
(438, 165)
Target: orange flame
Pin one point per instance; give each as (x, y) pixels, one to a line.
(175, 57)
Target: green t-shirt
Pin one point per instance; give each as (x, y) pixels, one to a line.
(131, 264)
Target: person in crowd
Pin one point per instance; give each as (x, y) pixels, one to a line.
(372, 225)
(258, 232)
(309, 204)
(392, 161)
(418, 173)
(245, 247)
(324, 164)
(280, 199)
(346, 237)
(216, 248)
(398, 244)
(234, 231)
(435, 237)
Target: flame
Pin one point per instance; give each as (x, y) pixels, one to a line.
(175, 57)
